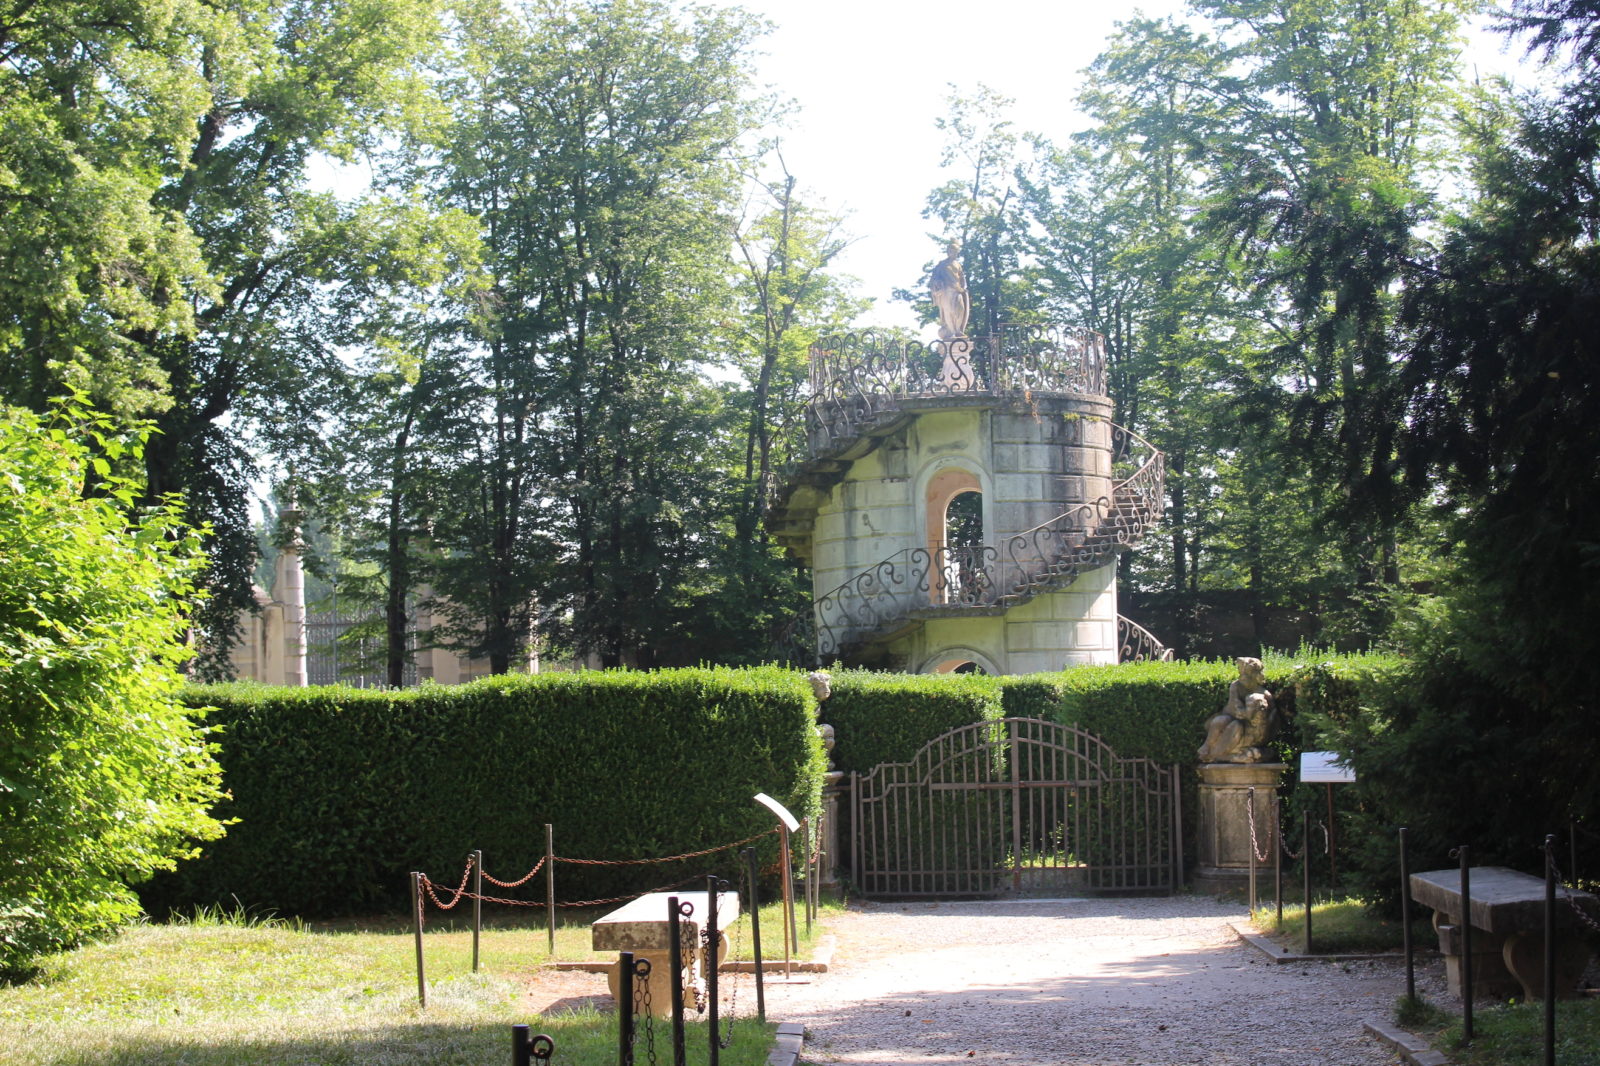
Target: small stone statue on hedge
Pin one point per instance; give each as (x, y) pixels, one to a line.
(1240, 731)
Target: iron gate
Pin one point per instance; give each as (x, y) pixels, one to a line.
(1016, 806)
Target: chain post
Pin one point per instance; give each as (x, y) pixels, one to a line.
(710, 935)
(1277, 855)
(476, 859)
(1405, 919)
(625, 987)
(675, 914)
(1550, 950)
(416, 918)
(550, 887)
(1464, 932)
(1250, 813)
(755, 933)
(1305, 850)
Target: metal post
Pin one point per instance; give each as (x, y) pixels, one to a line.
(1305, 851)
(477, 904)
(1465, 931)
(625, 987)
(805, 864)
(791, 936)
(1405, 919)
(1550, 950)
(521, 1047)
(755, 934)
(416, 918)
(711, 936)
(550, 887)
(1277, 855)
(675, 973)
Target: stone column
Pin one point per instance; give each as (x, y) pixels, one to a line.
(833, 789)
(289, 588)
(1225, 841)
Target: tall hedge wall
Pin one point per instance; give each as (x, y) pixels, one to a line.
(337, 793)
(881, 717)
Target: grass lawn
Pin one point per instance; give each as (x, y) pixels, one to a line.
(1507, 1035)
(237, 993)
(1339, 927)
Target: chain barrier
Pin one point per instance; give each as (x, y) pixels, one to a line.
(460, 892)
(642, 1005)
(1250, 805)
(1566, 893)
(519, 882)
(669, 858)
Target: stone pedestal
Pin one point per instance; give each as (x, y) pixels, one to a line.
(1224, 844)
(833, 789)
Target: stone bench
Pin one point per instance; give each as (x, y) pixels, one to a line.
(1507, 915)
(643, 927)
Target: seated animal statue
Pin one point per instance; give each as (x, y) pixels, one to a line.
(1241, 730)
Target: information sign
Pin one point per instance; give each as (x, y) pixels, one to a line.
(1325, 767)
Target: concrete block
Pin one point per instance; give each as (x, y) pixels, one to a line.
(1019, 636)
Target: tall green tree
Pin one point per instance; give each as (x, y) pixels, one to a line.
(596, 142)
(1322, 187)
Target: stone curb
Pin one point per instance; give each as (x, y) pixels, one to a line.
(1271, 950)
(786, 1047)
(1411, 1047)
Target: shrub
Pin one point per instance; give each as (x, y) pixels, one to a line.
(105, 776)
(339, 792)
(881, 717)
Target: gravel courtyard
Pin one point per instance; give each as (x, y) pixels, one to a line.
(1079, 982)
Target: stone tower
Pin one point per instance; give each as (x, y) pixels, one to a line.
(962, 503)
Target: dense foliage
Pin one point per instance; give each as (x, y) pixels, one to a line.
(336, 793)
(105, 775)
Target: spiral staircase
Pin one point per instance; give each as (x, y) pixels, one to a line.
(866, 387)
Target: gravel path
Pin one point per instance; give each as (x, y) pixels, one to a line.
(1078, 982)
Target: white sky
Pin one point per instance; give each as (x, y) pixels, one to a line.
(870, 78)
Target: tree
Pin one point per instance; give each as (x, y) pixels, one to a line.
(595, 141)
(105, 776)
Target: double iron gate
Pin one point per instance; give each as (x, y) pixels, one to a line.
(1016, 806)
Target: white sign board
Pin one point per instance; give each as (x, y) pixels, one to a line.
(790, 822)
(1325, 767)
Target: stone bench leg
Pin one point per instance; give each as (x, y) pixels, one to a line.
(659, 984)
(1490, 977)
(1524, 958)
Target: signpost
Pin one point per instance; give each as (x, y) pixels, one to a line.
(1326, 768)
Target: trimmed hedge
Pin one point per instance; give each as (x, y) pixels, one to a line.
(880, 717)
(336, 793)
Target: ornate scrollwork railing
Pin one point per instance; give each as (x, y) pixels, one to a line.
(861, 378)
(1050, 555)
(1135, 643)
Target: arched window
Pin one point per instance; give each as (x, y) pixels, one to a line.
(956, 538)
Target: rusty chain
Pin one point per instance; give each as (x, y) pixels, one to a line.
(669, 858)
(519, 882)
(1250, 813)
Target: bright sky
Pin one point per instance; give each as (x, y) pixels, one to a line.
(870, 78)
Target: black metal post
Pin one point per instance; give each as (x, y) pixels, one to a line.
(416, 919)
(1305, 852)
(755, 933)
(675, 950)
(550, 887)
(1464, 931)
(1405, 919)
(712, 936)
(1550, 950)
(1277, 856)
(477, 904)
(521, 1047)
(625, 987)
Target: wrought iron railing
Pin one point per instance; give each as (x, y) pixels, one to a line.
(1135, 643)
(862, 378)
(1050, 555)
